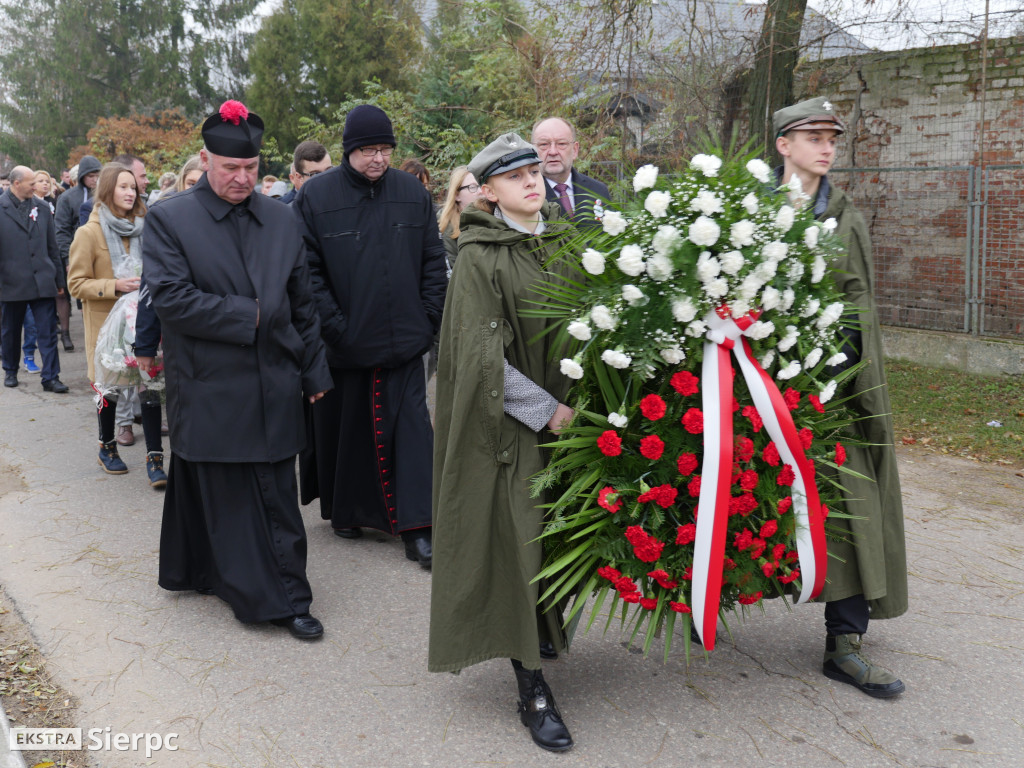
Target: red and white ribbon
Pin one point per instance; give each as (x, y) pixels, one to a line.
(716, 472)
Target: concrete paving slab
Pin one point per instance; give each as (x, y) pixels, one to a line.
(79, 552)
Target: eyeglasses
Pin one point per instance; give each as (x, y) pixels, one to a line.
(311, 174)
(371, 151)
(561, 146)
(470, 187)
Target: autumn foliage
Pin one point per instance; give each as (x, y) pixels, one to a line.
(163, 140)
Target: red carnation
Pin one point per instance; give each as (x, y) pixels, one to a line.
(693, 421)
(784, 504)
(824, 512)
(778, 552)
(759, 546)
(806, 437)
(742, 505)
(771, 455)
(748, 480)
(679, 607)
(840, 454)
(651, 447)
(610, 443)
(688, 573)
(649, 603)
(607, 572)
(728, 564)
(792, 398)
(662, 495)
(744, 449)
(792, 556)
(663, 579)
(750, 599)
(735, 405)
(815, 402)
(233, 111)
(685, 534)
(686, 463)
(646, 548)
(794, 574)
(653, 407)
(743, 540)
(613, 504)
(755, 418)
(625, 585)
(630, 597)
(769, 529)
(693, 488)
(786, 476)
(768, 569)
(685, 383)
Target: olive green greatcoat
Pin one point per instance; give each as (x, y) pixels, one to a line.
(875, 565)
(486, 523)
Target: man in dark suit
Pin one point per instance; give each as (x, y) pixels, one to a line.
(555, 140)
(31, 275)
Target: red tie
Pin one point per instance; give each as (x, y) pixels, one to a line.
(563, 197)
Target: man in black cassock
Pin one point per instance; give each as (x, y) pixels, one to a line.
(378, 271)
(228, 277)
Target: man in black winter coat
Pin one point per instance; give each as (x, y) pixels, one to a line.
(378, 270)
(31, 276)
(227, 272)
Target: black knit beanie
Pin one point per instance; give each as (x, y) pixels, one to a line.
(366, 125)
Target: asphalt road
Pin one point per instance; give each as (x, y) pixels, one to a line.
(78, 555)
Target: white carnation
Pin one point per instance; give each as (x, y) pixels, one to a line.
(659, 267)
(739, 307)
(657, 203)
(760, 170)
(795, 271)
(696, 329)
(766, 270)
(741, 233)
(831, 313)
(817, 269)
(707, 164)
(768, 359)
(829, 225)
(665, 238)
(784, 218)
(704, 232)
(837, 359)
(750, 287)
(683, 310)
(789, 371)
(770, 298)
(631, 260)
(732, 262)
(812, 359)
(775, 251)
(786, 342)
(633, 295)
(708, 267)
(788, 297)
(571, 368)
(761, 329)
(645, 177)
(603, 318)
(811, 308)
(673, 355)
(579, 330)
(616, 359)
(811, 236)
(828, 392)
(593, 261)
(796, 190)
(750, 203)
(613, 222)
(717, 288)
(706, 202)
(617, 419)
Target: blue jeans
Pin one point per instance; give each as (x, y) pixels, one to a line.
(29, 347)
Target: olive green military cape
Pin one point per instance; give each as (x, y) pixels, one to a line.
(875, 563)
(486, 523)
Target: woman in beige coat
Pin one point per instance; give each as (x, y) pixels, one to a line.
(106, 246)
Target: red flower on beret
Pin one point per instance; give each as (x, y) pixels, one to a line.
(233, 111)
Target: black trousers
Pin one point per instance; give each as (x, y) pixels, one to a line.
(45, 313)
(848, 616)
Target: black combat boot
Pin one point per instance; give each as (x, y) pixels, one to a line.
(538, 711)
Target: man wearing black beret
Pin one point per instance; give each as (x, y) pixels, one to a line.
(228, 278)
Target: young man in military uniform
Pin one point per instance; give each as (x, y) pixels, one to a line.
(867, 572)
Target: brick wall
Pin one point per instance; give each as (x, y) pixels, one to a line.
(942, 263)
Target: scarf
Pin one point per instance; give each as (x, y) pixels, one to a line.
(125, 263)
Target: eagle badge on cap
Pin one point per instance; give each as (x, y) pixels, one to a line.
(827, 106)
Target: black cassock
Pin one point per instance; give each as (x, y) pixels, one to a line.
(234, 396)
(377, 268)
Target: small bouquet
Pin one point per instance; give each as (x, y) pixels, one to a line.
(706, 328)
